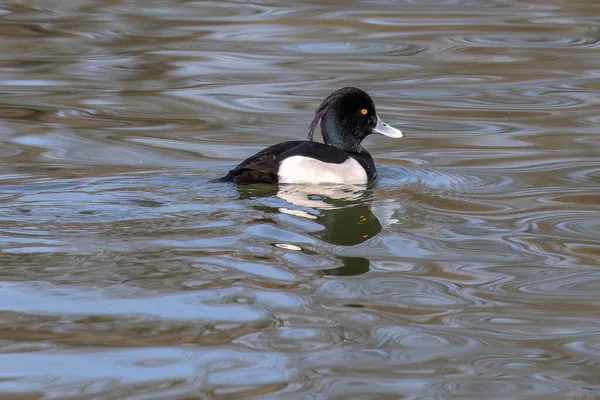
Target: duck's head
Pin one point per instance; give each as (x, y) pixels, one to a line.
(347, 116)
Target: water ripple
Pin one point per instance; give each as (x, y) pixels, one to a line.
(356, 48)
(469, 269)
(526, 41)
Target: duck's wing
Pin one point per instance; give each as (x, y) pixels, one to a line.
(262, 167)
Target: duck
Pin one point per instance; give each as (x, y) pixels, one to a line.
(346, 117)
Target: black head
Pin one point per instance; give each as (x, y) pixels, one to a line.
(347, 116)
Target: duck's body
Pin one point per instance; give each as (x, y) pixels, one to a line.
(347, 116)
(304, 162)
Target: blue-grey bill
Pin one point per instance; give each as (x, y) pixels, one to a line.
(387, 130)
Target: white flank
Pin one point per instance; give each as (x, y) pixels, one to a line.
(299, 169)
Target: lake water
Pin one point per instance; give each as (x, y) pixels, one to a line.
(470, 270)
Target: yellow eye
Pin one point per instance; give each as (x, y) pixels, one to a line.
(364, 111)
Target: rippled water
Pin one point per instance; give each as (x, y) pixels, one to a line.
(470, 270)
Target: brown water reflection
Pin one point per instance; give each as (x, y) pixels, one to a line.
(470, 270)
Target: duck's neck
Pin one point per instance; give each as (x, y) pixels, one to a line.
(337, 132)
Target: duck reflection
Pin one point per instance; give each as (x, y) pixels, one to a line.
(342, 211)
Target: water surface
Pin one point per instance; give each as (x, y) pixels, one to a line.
(469, 270)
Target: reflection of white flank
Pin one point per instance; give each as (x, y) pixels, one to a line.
(297, 213)
(300, 195)
(315, 196)
(288, 246)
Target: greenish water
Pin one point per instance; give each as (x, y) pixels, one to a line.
(469, 270)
